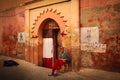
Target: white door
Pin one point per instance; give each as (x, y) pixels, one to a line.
(47, 52)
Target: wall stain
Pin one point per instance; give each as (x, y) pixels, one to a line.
(107, 19)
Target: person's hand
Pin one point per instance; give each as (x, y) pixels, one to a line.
(63, 60)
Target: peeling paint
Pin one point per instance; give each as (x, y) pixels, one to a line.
(106, 17)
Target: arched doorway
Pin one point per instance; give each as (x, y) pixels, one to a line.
(50, 33)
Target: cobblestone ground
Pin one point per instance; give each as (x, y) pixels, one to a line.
(28, 71)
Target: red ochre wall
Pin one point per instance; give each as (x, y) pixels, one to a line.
(106, 15)
(12, 23)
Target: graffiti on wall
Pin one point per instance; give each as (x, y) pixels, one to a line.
(90, 40)
(89, 35)
(22, 37)
(101, 48)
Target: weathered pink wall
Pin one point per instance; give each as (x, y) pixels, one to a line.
(7, 4)
(106, 15)
(93, 3)
(12, 23)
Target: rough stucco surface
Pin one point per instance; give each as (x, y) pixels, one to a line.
(107, 19)
(104, 14)
(12, 23)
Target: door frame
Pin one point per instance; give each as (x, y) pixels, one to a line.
(40, 34)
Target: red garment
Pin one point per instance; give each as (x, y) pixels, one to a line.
(57, 63)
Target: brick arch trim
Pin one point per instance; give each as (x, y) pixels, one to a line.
(53, 14)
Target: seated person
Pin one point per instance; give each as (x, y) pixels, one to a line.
(63, 59)
(64, 56)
